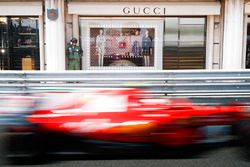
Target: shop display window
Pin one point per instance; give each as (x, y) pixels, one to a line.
(125, 44)
(141, 43)
(24, 44)
(20, 42)
(4, 44)
(121, 46)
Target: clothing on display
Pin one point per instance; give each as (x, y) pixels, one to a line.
(100, 44)
(136, 49)
(146, 45)
(108, 45)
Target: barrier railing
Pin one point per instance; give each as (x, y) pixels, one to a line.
(209, 85)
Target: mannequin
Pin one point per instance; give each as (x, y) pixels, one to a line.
(100, 47)
(136, 43)
(146, 48)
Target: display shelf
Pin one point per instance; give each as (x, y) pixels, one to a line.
(25, 46)
(27, 34)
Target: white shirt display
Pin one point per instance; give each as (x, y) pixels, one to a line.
(100, 44)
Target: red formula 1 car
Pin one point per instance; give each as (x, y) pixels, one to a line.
(132, 116)
(129, 115)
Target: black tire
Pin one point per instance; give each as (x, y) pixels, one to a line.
(23, 148)
(2, 145)
(244, 135)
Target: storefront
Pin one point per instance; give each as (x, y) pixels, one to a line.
(148, 36)
(20, 36)
(125, 35)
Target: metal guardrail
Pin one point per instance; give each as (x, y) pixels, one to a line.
(212, 85)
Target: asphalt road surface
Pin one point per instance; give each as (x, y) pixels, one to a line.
(218, 157)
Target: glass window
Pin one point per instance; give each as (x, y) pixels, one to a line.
(184, 43)
(19, 43)
(136, 43)
(248, 44)
(121, 46)
(4, 45)
(120, 43)
(24, 43)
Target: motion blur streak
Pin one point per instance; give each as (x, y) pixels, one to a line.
(114, 120)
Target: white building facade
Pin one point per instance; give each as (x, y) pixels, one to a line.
(136, 35)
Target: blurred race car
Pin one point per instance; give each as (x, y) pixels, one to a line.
(123, 116)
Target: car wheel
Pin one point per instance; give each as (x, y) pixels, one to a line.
(23, 148)
(2, 145)
(244, 135)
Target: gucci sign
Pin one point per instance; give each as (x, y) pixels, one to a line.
(144, 10)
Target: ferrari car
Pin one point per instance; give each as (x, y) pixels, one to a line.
(122, 118)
